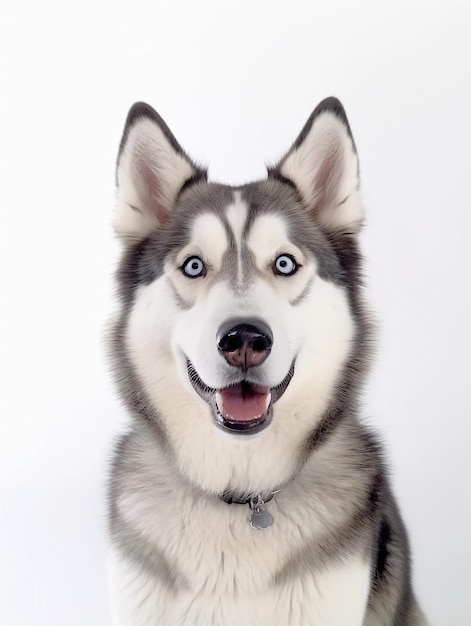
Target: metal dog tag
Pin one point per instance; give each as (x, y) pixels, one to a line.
(261, 519)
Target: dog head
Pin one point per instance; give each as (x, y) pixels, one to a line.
(240, 307)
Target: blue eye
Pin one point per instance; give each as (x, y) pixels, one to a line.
(285, 265)
(194, 267)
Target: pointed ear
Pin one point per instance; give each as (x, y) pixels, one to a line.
(151, 171)
(323, 166)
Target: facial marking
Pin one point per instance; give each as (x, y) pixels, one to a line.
(209, 239)
(180, 301)
(209, 242)
(304, 293)
(267, 237)
(236, 215)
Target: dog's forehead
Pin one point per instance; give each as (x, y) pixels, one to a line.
(239, 208)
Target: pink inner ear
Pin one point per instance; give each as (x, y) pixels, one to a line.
(328, 177)
(149, 190)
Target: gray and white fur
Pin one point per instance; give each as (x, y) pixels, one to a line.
(240, 351)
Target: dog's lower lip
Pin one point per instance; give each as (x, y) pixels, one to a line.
(243, 427)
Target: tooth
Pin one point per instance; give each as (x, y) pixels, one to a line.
(218, 401)
(268, 401)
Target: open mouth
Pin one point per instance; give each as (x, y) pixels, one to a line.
(245, 407)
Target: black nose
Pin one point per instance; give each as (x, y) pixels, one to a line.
(245, 343)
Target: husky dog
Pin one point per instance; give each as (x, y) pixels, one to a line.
(247, 492)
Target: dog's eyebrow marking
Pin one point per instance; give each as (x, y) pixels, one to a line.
(304, 292)
(181, 302)
(211, 235)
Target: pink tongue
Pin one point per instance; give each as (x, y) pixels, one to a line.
(235, 405)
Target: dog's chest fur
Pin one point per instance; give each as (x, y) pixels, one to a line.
(194, 559)
(301, 601)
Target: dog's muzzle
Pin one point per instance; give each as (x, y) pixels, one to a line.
(245, 407)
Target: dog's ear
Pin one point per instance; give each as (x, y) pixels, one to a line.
(323, 166)
(151, 171)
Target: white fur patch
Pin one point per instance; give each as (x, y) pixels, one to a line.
(267, 239)
(208, 241)
(236, 215)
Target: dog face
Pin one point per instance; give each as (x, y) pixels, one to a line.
(237, 320)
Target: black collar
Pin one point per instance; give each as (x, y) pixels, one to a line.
(231, 498)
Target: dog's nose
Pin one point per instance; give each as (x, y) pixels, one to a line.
(245, 343)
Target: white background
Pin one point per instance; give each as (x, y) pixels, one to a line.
(235, 81)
